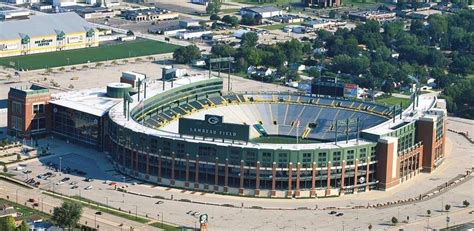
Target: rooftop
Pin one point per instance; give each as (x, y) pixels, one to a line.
(262, 9)
(29, 90)
(91, 101)
(43, 25)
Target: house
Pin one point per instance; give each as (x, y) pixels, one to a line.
(264, 11)
(40, 225)
(239, 33)
(297, 67)
(191, 34)
(259, 71)
(188, 23)
(200, 2)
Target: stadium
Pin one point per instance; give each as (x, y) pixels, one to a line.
(190, 134)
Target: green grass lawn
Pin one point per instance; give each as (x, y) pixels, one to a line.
(165, 226)
(229, 11)
(392, 100)
(261, 2)
(359, 3)
(135, 48)
(279, 26)
(26, 212)
(94, 205)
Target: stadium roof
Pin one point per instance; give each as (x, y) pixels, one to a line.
(41, 25)
(91, 101)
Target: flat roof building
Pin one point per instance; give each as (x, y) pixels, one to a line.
(264, 11)
(149, 14)
(46, 33)
(372, 15)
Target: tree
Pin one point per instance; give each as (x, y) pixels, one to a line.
(231, 20)
(23, 227)
(465, 203)
(68, 214)
(370, 227)
(388, 86)
(428, 212)
(248, 20)
(350, 65)
(249, 39)
(394, 220)
(18, 156)
(186, 54)
(7, 223)
(447, 207)
(214, 17)
(253, 56)
(332, 14)
(130, 33)
(5, 169)
(223, 50)
(213, 7)
(294, 50)
(382, 69)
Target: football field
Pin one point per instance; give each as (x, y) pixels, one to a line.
(140, 47)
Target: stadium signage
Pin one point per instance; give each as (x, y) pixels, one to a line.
(213, 127)
(43, 42)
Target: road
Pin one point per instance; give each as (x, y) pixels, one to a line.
(47, 203)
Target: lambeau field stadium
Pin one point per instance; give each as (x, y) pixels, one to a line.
(191, 134)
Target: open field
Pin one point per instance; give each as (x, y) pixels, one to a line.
(136, 48)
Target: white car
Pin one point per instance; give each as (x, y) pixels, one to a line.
(88, 187)
(60, 183)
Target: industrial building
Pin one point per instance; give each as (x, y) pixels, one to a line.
(264, 11)
(46, 33)
(149, 14)
(322, 3)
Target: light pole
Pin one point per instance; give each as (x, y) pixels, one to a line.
(60, 163)
(136, 211)
(95, 218)
(16, 195)
(447, 221)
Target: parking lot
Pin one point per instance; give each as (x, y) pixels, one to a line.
(173, 206)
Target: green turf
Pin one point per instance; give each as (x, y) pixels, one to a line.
(141, 47)
(281, 140)
(392, 100)
(165, 226)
